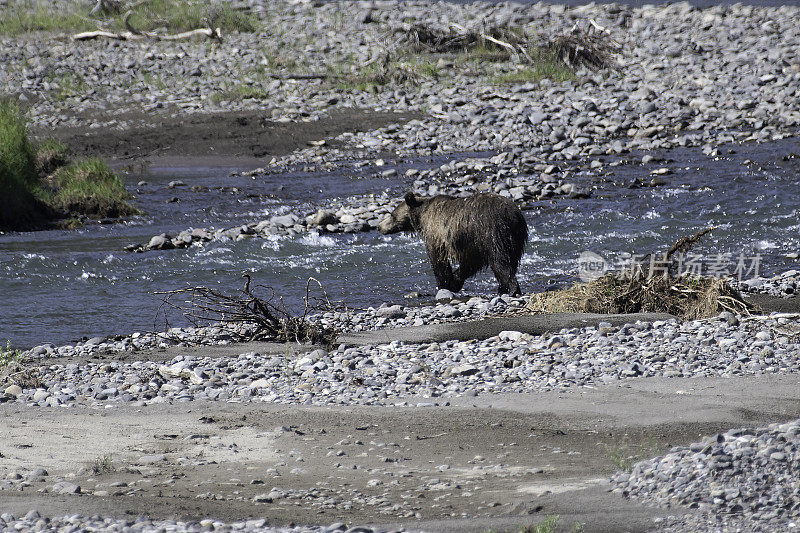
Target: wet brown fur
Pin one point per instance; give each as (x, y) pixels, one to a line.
(477, 232)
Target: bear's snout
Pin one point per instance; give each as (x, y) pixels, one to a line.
(387, 226)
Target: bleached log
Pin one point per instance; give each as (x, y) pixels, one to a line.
(88, 35)
(133, 34)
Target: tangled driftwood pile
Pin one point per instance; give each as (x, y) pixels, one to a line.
(592, 47)
(252, 307)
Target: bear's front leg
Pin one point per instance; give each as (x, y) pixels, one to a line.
(443, 271)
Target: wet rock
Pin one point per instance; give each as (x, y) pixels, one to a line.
(324, 217)
(284, 220)
(444, 295)
(160, 242)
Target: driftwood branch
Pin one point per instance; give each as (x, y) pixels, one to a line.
(133, 34)
(483, 35)
(126, 20)
(684, 243)
(664, 262)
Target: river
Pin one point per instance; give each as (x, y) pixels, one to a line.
(60, 286)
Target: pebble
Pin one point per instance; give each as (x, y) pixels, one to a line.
(784, 285)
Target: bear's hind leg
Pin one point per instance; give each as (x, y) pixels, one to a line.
(514, 289)
(445, 278)
(507, 279)
(465, 271)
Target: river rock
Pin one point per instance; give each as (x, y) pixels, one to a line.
(160, 242)
(323, 217)
(391, 311)
(13, 390)
(444, 295)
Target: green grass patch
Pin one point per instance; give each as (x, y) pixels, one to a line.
(250, 91)
(239, 92)
(372, 77)
(17, 154)
(545, 66)
(50, 155)
(90, 188)
(427, 69)
(481, 53)
(68, 85)
(277, 62)
(548, 525)
(19, 205)
(37, 183)
(183, 16)
(155, 80)
(25, 16)
(9, 355)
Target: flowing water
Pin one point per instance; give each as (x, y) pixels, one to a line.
(60, 286)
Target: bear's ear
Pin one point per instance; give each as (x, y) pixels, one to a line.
(411, 200)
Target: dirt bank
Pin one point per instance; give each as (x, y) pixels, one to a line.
(504, 460)
(243, 138)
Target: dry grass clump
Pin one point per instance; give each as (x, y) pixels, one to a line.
(422, 37)
(594, 50)
(648, 288)
(14, 371)
(685, 297)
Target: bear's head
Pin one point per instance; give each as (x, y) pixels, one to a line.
(400, 218)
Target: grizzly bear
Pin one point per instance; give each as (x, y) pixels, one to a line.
(479, 231)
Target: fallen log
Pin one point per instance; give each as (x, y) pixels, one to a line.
(132, 34)
(128, 36)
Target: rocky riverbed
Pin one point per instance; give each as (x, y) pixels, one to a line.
(386, 373)
(200, 432)
(743, 478)
(685, 78)
(396, 375)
